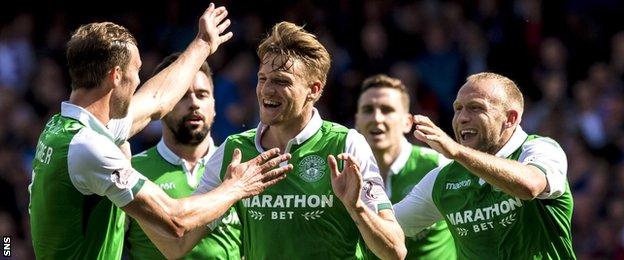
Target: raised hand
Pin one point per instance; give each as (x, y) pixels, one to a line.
(347, 185)
(436, 138)
(254, 176)
(212, 27)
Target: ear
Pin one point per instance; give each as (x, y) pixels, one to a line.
(115, 76)
(315, 91)
(512, 118)
(407, 123)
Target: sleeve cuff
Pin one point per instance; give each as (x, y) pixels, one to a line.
(554, 182)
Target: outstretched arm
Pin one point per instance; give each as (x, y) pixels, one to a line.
(160, 93)
(380, 231)
(175, 226)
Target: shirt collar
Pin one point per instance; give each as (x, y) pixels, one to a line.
(308, 131)
(85, 117)
(174, 159)
(516, 140)
(401, 160)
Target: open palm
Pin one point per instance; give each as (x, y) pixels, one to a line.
(347, 185)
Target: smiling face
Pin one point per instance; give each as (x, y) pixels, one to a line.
(284, 94)
(191, 118)
(382, 118)
(481, 120)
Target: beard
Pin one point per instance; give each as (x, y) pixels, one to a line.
(187, 134)
(118, 107)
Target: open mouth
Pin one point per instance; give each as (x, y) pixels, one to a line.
(375, 132)
(467, 134)
(268, 103)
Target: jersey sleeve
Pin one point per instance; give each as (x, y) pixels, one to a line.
(546, 154)
(417, 210)
(120, 129)
(97, 166)
(211, 178)
(373, 194)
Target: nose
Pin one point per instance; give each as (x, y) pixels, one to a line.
(462, 116)
(194, 102)
(378, 116)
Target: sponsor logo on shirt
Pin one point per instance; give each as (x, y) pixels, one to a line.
(482, 219)
(167, 186)
(458, 185)
(277, 204)
(311, 168)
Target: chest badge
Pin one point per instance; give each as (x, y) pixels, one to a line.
(311, 168)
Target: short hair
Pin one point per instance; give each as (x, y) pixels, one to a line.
(513, 95)
(205, 68)
(94, 49)
(293, 41)
(385, 81)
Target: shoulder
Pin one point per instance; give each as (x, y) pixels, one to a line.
(87, 145)
(334, 128)
(145, 156)
(244, 137)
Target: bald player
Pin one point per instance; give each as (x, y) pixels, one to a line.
(505, 195)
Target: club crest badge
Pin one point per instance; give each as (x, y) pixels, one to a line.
(311, 168)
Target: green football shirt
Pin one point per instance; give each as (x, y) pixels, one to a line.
(77, 163)
(412, 164)
(167, 170)
(300, 217)
(487, 223)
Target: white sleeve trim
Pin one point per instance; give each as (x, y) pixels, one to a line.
(417, 210)
(373, 194)
(211, 179)
(96, 166)
(546, 154)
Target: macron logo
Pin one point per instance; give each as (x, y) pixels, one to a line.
(457, 185)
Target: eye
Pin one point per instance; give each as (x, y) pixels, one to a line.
(386, 109)
(366, 109)
(203, 94)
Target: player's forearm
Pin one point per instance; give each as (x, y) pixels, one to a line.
(172, 219)
(199, 210)
(174, 248)
(383, 236)
(160, 93)
(514, 178)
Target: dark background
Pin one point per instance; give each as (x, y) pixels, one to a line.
(566, 56)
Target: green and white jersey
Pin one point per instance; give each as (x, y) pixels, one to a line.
(167, 170)
(412, 164)
(301, 217)
(487, 223)
(77, 163)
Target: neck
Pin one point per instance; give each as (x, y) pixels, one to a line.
(191, 153)
(385, 158)
(279, 135)
(94, 100)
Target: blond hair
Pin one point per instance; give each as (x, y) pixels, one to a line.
(94, 49)
(513, 97)
(293, 41)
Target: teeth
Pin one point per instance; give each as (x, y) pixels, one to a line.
(271, 102)
(468, 131)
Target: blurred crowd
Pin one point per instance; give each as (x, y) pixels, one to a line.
(566, 56)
